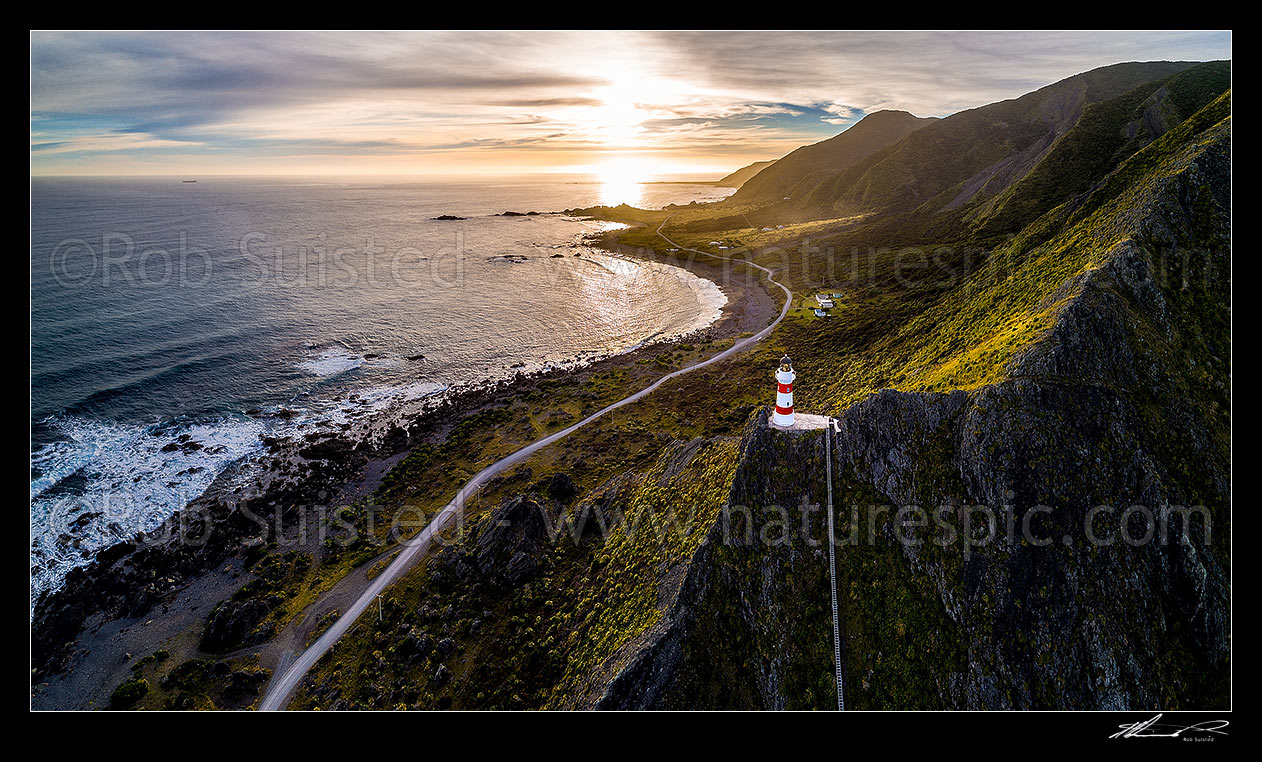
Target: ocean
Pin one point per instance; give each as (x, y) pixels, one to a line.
(174, 324)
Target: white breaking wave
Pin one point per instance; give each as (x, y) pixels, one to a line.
(709, 296)
(331, 362)
(104, 482)
(380, 398)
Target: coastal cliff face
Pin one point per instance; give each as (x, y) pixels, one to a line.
(1103, 460)
(749, 628)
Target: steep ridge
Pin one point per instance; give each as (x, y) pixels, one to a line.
(1082, 418)
(1105, 135)
(871, 133)
(972, 154)
(744, 174)
(743, 632)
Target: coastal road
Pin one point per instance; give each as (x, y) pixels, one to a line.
(283, 685)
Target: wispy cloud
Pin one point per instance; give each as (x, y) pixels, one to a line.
(443, 100)
(116, 141)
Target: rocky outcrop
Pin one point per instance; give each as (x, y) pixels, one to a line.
(233, 624)
(510, 549)
(742, 624)
(132, 578)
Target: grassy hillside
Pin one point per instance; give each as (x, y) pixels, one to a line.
(872, 133)
(966, 157)
(1105, 135)
(925, 320)
(743, 175)
(1098, 335)
(472, 630)
(1035, 309)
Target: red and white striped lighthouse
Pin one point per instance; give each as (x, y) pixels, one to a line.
(783, 416)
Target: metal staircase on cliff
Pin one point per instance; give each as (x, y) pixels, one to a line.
(832, 563)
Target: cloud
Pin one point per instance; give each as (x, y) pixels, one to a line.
(119, 141)
(727, 96)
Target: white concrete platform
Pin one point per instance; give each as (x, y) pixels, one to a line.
(803, 422)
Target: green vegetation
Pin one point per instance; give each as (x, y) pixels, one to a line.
(128, 693)
(933, 318)
(872, 133)
(474, 641)
(666, 518)
(939, 296)
(158, 683)
(261, 606)
(1106, 134)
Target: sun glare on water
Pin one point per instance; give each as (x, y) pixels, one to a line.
(620, 183)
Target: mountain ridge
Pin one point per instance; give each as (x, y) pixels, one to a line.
(970, 155)
(744, 174)
(871, 133)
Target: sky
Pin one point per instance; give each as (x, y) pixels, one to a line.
(449, 103)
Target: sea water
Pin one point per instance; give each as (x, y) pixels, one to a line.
(174, 324)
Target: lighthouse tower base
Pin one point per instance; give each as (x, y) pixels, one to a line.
(801, 422)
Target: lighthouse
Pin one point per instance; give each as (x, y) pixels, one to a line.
(783, 416)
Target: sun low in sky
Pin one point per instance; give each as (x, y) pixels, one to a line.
(627, 105)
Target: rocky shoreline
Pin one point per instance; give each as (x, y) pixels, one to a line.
(83, 634)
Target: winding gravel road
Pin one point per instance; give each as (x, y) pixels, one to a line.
(283, 685)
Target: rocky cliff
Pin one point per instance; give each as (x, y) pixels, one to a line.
(1057, 539)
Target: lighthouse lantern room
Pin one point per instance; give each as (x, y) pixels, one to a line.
(783, 415)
